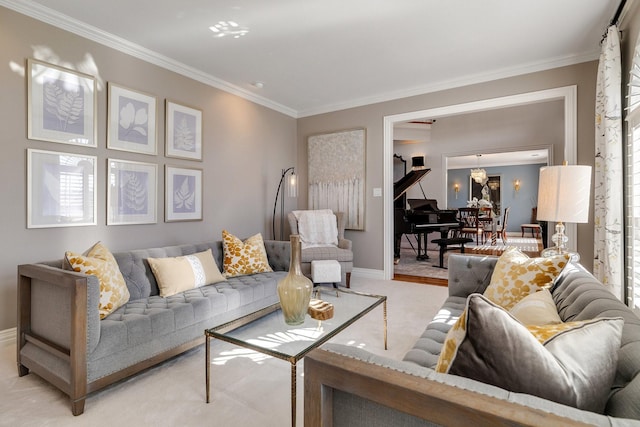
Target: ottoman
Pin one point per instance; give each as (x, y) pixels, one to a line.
(326, 271)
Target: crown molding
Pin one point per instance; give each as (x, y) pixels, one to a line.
(453, 84)
(52, 17)
(49, 16)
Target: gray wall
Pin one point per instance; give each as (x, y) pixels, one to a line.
(245, 146)
(368, 244)
(521, 202)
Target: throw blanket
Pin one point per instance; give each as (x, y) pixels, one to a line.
(317, 228)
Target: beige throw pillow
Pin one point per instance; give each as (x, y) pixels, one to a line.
(242, 258)
(98, 261)
(536, 309)
(177, 274)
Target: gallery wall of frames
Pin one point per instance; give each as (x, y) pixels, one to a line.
(62, 184)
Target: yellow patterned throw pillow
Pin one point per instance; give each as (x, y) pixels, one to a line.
(516, 275)
(454, 337)
(242, 258)
(177, 274)
(98, 261)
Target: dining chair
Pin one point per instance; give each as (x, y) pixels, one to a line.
(470, 224)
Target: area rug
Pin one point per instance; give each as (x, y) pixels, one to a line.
(410, 266)
(247, 388)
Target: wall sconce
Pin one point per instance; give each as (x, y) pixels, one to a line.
(456, 188)
(516, 185)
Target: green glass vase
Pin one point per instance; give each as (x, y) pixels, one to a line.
(294, 290)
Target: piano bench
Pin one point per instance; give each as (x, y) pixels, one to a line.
(448, 244)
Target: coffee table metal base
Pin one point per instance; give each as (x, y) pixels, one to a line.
(293, 359)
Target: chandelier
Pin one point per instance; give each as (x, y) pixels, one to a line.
(479, 175)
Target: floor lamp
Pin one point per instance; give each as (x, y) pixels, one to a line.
(563, 196)
(292, 187)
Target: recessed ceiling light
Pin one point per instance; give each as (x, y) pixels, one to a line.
(259, 85)
(228, 28)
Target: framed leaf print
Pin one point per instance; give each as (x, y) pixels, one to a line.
(183, 198)
(131, 192)
(61, 105)
(183, 132)
(61, 189)
(131, 121)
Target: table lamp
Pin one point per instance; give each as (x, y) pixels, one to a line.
(563, 196)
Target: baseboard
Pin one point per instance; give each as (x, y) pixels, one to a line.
(368, 273)
(8, 336)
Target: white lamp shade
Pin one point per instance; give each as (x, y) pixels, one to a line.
(564, 193)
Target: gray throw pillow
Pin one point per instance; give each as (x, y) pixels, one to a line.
(574, 367)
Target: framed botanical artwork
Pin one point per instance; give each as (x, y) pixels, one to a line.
(183, 194)
(61, 189)
(183, 132)
(131, 121)
(131, 192)
(61, 105)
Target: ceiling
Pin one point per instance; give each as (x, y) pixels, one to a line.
(315, 56)
(487, 160)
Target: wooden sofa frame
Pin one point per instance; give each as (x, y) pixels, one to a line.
(75, 286)
(77, 388)
(432, 401)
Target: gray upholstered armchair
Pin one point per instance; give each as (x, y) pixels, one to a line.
(340, 252)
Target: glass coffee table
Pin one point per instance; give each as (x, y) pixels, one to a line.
(266, 332)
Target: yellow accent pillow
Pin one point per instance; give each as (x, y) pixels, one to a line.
(516, 275)
(98, 261)
(544, 333)
(242, 258)
(451, 343)
(536, 309)
(177, 274)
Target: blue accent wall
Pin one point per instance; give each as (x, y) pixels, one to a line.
(521, 201)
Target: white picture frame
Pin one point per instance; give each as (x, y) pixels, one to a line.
(61, 189)
(131, 120)
(183, 194)
(61, 105)
(131, 192)
(183, 133)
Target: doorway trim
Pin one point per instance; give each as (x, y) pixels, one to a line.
(568, 94)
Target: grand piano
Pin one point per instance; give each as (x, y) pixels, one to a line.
(422, 217)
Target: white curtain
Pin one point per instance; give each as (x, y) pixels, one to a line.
(608, 197)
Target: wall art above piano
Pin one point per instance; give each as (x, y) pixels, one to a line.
(337, 174)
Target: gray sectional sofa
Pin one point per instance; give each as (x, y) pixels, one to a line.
(62, 339)
(348, 386)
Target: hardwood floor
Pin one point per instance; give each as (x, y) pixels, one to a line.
(419, 279)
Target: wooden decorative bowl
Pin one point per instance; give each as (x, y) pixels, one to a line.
(320, 310)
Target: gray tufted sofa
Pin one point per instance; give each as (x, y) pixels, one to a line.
(62, 339)
(362, 389)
